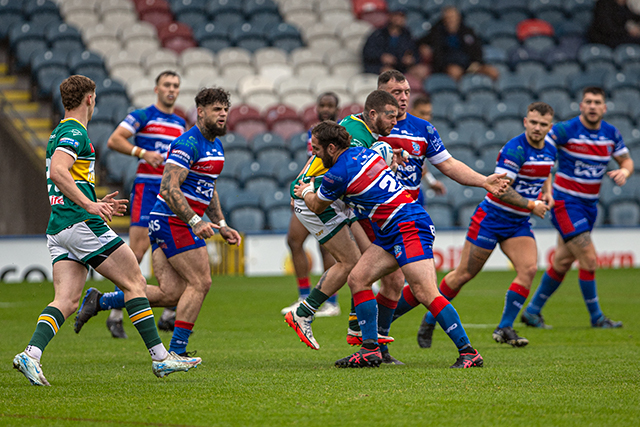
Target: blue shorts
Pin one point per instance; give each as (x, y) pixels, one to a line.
(486, 230)
(143, 197)
(572, 219)
(408, 241)
(172, 235)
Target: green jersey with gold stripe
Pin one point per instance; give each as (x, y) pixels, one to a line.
(71, 137)
(361, 136)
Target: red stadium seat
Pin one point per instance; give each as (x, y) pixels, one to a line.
(280, 112)
(377, 18)
(347, 110)
(287, 128)
(171, 30)
(178, 44)
(242, 113)
(176, 36)
(156, 18)
(143, 6)
(156, 12)
(250, 128)
(361, 7)
(310, 116)
(533, 27)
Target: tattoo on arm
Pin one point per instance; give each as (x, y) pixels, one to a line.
(512, 197)
(172, 179)
(214, 211)
(622, 157)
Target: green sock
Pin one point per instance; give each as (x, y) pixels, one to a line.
(353, 318)
(309, 306)
(142, 318)
(49, 323)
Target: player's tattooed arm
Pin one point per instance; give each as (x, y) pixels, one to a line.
(214, 211)
(512, 197)
(172, 179)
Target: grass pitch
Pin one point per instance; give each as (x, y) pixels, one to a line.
(255, 372)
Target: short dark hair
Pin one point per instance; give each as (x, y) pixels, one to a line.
(332, 94)
(389, 75)
(73, 89)
(166, 73)
(594, 90)
(377, 100)
(541, 107)
(421, 100)
(329, 132)
(212, 95)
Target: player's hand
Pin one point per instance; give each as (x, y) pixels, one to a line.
(439, 188)
(400, 157)
(230, 235)
(299, 188)
(496, 184)
(154, 158)
(540, 208)
(619, 176)
(119, 206)
(547, 198)
(103, 210)
(204, 229)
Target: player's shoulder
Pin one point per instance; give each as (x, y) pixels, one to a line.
(609, 130)
(421, 126)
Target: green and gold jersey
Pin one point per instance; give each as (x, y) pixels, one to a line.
(361, 136)
(70, 137)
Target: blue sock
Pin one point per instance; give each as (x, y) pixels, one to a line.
(386, 308)
(550, 282)
(587, 280)
(446, 292)
(333, 299)
(304, 287)
(111, 300)
(367, 311)
(180, 338)
(407, 303)
(448, 319)
(513, 302)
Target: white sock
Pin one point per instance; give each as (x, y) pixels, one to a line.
(116, 314)
(34, 352)
(158, 352)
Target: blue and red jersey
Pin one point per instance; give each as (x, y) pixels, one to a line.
(365, 182)
(528, 167)
(583, 155)
(422, 141)
(204, 160)
(154, 131)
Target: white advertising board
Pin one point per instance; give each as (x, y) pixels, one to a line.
(27, 258)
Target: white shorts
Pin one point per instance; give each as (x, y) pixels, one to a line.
(324, 226)
(82, 242)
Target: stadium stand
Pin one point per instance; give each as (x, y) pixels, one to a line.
(275, 57)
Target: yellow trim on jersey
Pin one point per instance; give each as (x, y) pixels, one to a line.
(316, 168)
(362, 121)
(75, 120)
(83, 170)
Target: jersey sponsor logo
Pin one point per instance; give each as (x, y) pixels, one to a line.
(587, 170)
(430, 129)
(56, 200)
(69, 141)
(183, 155)
(75, 132)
